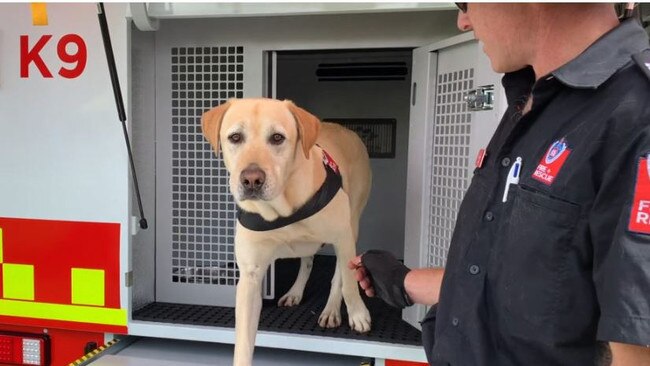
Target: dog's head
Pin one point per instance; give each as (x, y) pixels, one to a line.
(261, 140)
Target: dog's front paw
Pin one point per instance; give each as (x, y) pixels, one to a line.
(330, 318)
(290, 299)
(359, 319)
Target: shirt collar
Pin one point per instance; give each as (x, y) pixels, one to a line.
(518, 84)
(604, 57)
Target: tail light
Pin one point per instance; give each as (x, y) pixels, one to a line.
(24, 349)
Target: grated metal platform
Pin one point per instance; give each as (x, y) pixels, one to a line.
(387, 324)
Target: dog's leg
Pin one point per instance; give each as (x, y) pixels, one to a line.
(294, 295)
(247, 310)
(331, 315)
(358, 315)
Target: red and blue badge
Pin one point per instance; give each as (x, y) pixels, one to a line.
(640, 215)
(551, 163)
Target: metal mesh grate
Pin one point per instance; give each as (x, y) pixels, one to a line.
(450, 159)
(378, 134)
(387, 323)
(203, 217)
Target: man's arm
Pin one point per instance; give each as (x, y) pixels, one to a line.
(629, 354)
(423, 285)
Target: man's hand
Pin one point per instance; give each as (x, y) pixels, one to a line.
(629, 354)
(361, 275)
(380, 273)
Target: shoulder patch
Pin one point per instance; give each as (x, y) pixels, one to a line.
(640, 215)
(642, 60)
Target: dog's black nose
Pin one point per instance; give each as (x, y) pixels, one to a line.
(252, 178)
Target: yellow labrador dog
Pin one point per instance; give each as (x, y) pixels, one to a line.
(279, 157)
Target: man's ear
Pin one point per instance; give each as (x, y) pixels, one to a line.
(211, 124)
(308, 126)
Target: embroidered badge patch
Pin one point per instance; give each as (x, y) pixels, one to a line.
(551, 163)
(640, 215)
(327, 160)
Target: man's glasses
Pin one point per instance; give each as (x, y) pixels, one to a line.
(462, 7)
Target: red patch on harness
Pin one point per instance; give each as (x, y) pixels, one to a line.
(552, 162)
(327, 160)
(640, 215)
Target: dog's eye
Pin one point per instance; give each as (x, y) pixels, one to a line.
(235, 138)
(277, 139)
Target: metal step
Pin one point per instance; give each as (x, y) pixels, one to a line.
(387, 324)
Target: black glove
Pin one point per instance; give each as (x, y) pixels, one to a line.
(387, 276)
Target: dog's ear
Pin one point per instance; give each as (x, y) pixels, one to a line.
(211, 124)
(308, 126)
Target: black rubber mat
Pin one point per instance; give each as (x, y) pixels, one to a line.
(387, 324)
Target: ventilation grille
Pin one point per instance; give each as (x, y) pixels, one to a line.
(362, 71)
(450, 159)
(378, 134)
(203, 211)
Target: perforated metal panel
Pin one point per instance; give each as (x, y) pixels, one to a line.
(203, 212)
(450, 160)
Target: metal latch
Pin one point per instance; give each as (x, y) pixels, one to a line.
(481, 98)
(128, 279)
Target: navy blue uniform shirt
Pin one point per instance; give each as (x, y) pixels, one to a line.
(563, 266)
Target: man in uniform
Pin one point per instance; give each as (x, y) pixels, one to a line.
(549, 263)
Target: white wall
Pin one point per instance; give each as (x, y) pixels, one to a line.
(62, 154)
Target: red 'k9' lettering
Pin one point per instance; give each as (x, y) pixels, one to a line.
(79, 57)
(28, 56)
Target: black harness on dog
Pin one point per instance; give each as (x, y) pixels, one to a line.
(323, 196)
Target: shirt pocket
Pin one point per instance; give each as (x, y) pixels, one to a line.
(533, 243)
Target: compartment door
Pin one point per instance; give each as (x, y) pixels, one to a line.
(195, 213)
(445, 137)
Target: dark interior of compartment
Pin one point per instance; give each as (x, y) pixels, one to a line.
(367, 91)
(387, 324)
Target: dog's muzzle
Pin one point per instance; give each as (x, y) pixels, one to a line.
(252, 181)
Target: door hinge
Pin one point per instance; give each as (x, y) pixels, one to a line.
(268, 285)
(128, 279)
(414, 93)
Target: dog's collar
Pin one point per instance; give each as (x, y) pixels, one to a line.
(323, 196)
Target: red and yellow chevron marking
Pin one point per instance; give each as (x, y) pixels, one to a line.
(61, 274)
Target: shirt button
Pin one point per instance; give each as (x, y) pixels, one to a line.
(474, 269)
(455, 322)
(489, 216)
(505, 162)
